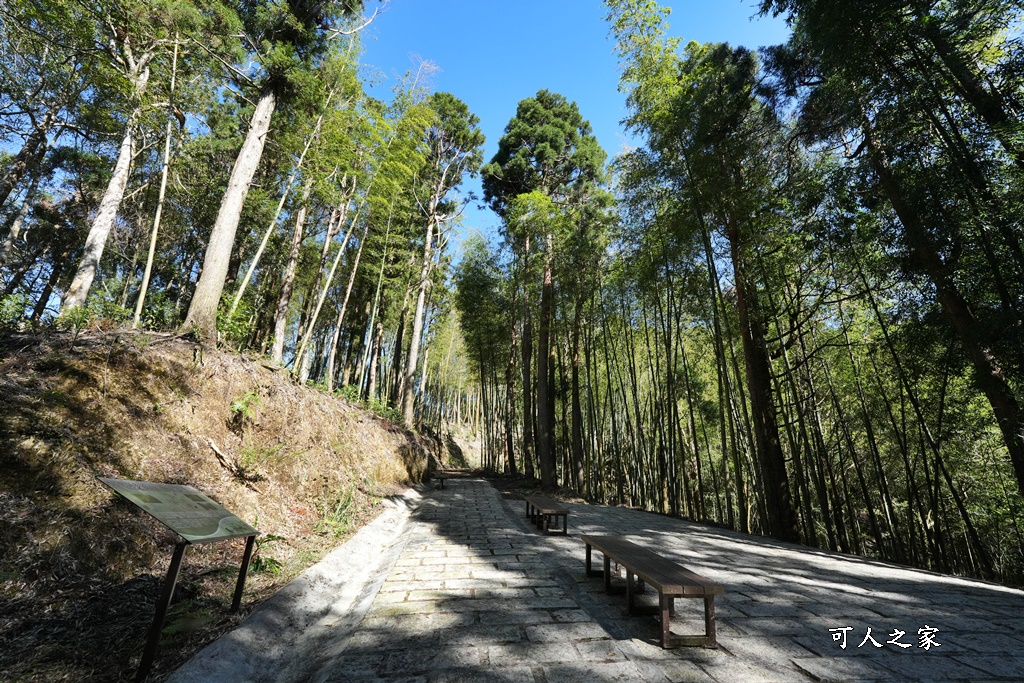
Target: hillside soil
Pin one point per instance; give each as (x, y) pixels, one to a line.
(81, 568)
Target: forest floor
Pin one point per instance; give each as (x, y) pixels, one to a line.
(81, 568)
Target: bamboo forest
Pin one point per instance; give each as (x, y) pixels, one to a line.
(792, 305)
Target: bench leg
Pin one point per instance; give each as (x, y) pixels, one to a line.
(547, 519)
(709, 622)
(565, 525)
(607, 574)
(634, 586)
(666, 605)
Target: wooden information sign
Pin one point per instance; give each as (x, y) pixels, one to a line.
(184, 510)
(196, 518)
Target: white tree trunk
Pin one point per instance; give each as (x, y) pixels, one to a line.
(202, 312)
(311, 323)
(151, 255)
(409, 385)
(102, 224)
(272, 226)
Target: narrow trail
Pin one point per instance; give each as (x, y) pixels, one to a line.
(457, 587)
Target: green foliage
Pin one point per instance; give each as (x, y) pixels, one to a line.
(533, 214)
(14, 310)
(374, 404)
(159, 312)
(96, 311)
(547, 146)
(349, 392)
(253, 457)
(243, 407)
(382, 409)
(482, 305)
(74, 320)
(335, 513)
(260, 562)
(237, 327)
(455, 146)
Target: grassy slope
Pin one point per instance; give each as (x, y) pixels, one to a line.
(81, 569)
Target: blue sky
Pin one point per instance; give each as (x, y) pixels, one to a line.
(493, 53)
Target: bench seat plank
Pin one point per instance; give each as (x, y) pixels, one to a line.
(670, 579)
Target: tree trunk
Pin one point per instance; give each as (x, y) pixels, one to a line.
(44, 297)
(987, 103)
(781, 519)
(545, 412)
(329, 280)
(102, 224)
(336, 336)
(510, 397)
(29, 154)
(288, 280)
(375, 342)
(144, 287)
(396, 359)
(527, 372)
(408, 393)
(19, 220)
(577, 408)
(272, 225)
(202, 312)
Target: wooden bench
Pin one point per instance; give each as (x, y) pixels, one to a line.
(441, 475)
(542, 511)
(670, 579)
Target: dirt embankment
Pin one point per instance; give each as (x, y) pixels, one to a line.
(81, 569)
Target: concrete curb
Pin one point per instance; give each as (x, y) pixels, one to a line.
(288, 637)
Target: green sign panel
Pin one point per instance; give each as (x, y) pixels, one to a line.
(185, 510)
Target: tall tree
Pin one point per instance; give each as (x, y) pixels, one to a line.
(130, 37)
(288, 39)
(547, 147)
(454, 143)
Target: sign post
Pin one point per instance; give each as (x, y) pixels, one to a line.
(197, 519)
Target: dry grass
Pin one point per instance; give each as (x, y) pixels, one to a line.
(81, 569)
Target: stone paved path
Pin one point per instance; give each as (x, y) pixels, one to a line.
(470, 592)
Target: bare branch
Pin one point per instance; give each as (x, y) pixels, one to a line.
(335, 32)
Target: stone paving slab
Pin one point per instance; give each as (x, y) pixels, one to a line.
(471, 592)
